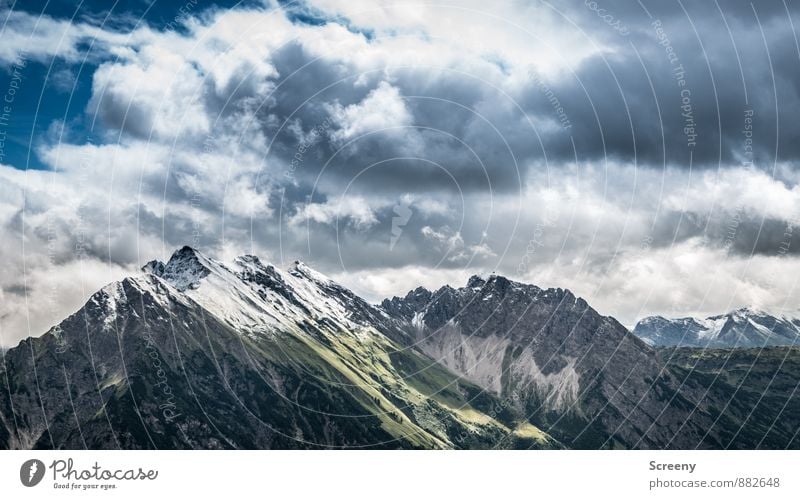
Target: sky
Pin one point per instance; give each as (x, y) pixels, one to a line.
(642, 154)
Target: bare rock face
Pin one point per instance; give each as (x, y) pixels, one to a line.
(582, 377)
(194, 353)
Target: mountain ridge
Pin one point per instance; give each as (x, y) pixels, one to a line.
(744, 327)
(194, 353)
(331, 380)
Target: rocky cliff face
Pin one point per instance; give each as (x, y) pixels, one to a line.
(580, 375)
(194, 353)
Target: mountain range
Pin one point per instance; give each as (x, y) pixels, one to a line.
(194, 353)
(741, 328)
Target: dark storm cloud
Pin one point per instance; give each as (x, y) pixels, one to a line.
(339, 244)
(666, 96)
(452, 144)
(752, 236)
(736, 231)
(667, 92)
(663, 95)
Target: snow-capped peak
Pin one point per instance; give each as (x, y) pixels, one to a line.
(741, 327)
(257, 298)
(154, 267)
(300, 269)
(249, 261)
(185, 268)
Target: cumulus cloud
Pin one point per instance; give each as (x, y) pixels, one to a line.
(159, 93)
(377, 284)
(687, 279)
(50, 289)
(350, 209)
(381, 109)
(749, 190)
(451, 244)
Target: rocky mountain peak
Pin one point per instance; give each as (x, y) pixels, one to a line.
(154, 267)
(405, 307)
(186, 268)
(249, 260)
(476, 281)
(499, 283)
(419, 292)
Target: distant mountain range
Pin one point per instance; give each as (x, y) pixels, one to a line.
(194, 353)
(742, 328)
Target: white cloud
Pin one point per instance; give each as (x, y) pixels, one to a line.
(51, 291)
(243, 199)
(451, 245)
(382, 109)
(376, 284)
(750, 190)
(41, 37)
(159, 94)
(687, 279)
(519, 35)
(349, 209)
